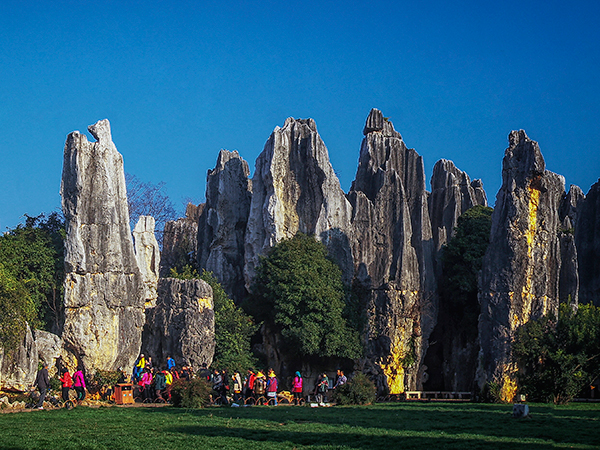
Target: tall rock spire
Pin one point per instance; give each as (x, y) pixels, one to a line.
(222, 224)
(104, 292)
(393, 253)
(520, 273)
(294, 189)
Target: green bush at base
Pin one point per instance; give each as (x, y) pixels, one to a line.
(358, 391)
(190, 394)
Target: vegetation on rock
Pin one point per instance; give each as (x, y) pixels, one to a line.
(31, 277)
(233, 327)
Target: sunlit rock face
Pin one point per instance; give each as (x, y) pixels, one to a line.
(147, 253)
(182, 324)
(294, 189)
(393, 255)
(104, 291)
(180, 240)
(521, 268)
(587, 239)
(222, 224)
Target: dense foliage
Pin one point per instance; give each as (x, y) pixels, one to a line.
(461, 262)
(298, 291)
(194, 393)
(360, 390)
(233, 327)
(557, 358)
(31, 277)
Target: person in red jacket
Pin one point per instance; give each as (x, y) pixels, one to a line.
(67, 383)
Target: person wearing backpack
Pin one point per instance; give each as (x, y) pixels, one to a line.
(237, 386)
(259, 384)
(321, 388)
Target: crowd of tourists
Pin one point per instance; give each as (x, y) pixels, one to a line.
(153, 384)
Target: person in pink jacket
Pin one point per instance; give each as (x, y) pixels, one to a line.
(145, 383)
(297, 387)
(79, 384)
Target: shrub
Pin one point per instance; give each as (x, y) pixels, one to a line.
(360, 390)
(194, 393)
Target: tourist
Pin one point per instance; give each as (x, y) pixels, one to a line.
(42, 381)
(79, 383)
(272, 387)
(321, 388)
(160, 384)
(204, 372)
(249, 384)
(237, 386)
(145, 383)
(170, 363)
(340, 379)
(260, 384)
(67, 383)
(138, 366)
(149, 365)
(297, 387)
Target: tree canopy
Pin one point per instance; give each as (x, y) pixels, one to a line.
(31, 276)
(298, 291)
(558, 357)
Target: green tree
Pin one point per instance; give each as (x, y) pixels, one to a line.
(298, 291)
(557, 358)
(32, 255)
(233, 327)
(18, 308)
(461, 262)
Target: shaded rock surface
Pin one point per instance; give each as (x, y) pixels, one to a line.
(180, 240)
(222, 224)
(520, 274)
(294, 189)
(569, 268)
(147, 254)
(452, 357)
(393, 254)
(19, 368)
(182, 324)
(104, 301)
(452, 193)
(587, 240)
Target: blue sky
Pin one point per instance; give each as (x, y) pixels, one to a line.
(181, 80)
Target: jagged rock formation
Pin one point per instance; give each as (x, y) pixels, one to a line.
(393, 253)
(569, 267)
(104, 301)
(147, 254)
(452, 358)
(180, 240)
(587, 239)
(49, 347)
(296, 190)
(520, 274)
(222, 224)
(452, 193)
(182, 324)
(19, 368)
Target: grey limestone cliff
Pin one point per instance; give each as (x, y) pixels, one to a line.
(520, 273)
(104, 301)
(587, 240)
(180, 240)
(182, 324)
(147, 253)
(294, 189)
(393, 254)
(222, 224)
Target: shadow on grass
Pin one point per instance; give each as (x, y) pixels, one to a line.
(380, 425)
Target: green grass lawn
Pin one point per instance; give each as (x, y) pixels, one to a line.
(388, 426)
